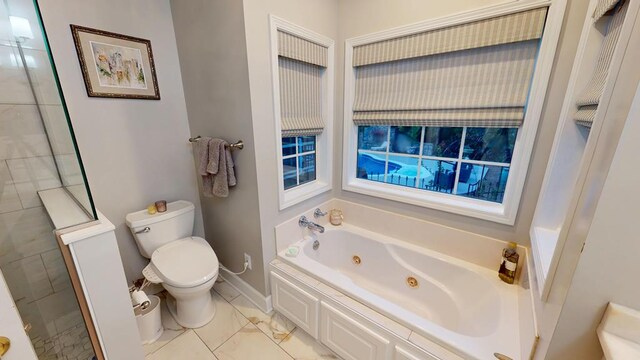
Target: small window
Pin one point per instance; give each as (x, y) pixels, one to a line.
(469, 162)
(298, 160)
(302, 65)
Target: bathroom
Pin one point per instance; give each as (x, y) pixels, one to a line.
(417, 208)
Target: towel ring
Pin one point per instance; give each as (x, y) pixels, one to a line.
(233, 146)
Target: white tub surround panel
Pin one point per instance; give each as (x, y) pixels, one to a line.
(583, 150)
(63, 210)
(529, 334)
(619, 332)
(346, 326)
(459, 304)
(96, 258)
(476, 249)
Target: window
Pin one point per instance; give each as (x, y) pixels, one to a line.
(470, 162)
(302, 73)
(298, 160)
(443, 114)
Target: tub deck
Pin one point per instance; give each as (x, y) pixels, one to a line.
(461, 306)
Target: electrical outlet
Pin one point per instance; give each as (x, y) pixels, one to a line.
(247, 260)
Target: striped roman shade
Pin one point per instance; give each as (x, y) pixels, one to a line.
(293, 47)
(301, 64)
(300, 98)
(589, 99)
(505, 29)
(603, 7)
(475, 74)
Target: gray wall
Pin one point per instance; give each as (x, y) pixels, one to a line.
(316, 15)
(213, 58)
(134, 151)
(377, 15)
(345, 19)
(225, 61)
(225, 51)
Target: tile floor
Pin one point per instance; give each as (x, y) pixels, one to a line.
(239, 331)
(71, 344)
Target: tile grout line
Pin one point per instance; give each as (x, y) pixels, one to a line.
(249, 322)
(22, 202)
(246, 318)
(283, 349)
(200, 338)
(35, 156)
(47, 272)
(224, 342)
(6, 163)
(234, 334)
(15, 211)
(267, 335)
(168, 342)
(205, 344)
(13, 183)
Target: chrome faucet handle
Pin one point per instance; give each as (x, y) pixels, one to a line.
(303, 221)
(319, 213)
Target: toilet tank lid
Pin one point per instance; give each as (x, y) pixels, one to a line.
(143, 218)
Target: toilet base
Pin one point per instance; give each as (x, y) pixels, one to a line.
(191, 311)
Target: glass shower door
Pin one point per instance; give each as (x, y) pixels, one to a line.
(37, 153)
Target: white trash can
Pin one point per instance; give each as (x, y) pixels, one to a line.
(149, 321)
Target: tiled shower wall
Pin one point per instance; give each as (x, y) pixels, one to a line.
(29, 256)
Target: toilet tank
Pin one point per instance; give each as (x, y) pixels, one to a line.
(153, 231)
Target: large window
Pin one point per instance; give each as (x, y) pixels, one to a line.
(443, 114)
(298, 160)
(470, 162)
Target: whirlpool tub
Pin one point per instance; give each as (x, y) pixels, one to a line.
(458, 305)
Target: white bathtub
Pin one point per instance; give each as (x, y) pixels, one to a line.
(459, 305)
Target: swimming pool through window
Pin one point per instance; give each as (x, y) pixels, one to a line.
(462, 161)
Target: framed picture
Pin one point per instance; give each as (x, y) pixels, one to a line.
(115, 65)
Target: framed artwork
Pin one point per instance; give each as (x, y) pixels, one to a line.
(115, 65)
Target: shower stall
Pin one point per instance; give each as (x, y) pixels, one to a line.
(38, 154)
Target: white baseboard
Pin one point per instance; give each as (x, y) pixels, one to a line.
(259, 300)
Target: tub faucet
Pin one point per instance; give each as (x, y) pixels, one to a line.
(304, 222)
(319, 213)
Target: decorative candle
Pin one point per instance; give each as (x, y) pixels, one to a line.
(335, 217)
(161, 205)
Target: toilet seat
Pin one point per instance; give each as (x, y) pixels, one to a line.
(184, 263)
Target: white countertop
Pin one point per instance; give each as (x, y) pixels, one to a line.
(619, 333)
(62, 209)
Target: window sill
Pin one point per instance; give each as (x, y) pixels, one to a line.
(454, 204)
(302, 192)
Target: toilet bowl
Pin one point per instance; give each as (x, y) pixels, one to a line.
(187, 268)
(185, 265)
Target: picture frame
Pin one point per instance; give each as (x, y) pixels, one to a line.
(115, 65)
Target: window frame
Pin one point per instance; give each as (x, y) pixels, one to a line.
(459, 159)
(506, 212)
(297, 155)
(324, 141)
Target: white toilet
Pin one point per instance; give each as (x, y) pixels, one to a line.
(185, 265)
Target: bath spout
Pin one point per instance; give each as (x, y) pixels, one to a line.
(304, 222)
